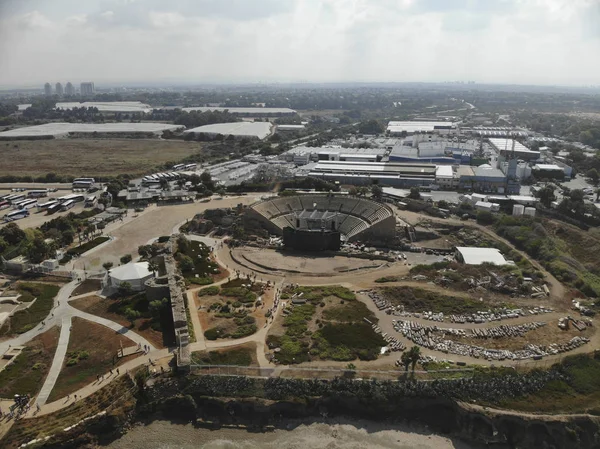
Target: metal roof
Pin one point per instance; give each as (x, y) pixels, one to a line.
(58, 129)
(245, 111)
(251, 129)
(417, 126)
(477, 256)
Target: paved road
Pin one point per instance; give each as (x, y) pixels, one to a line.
(57, 362)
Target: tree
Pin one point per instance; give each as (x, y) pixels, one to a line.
(157, 306)
(153, 266)
(126, 258)
(546, 195)
(38, 249)
(415, 355)
(592, 173)
(107, 265)
(186, 263)
(3, 245)
(414, 193)
(376, 192)
(125, 289)
(370, 127)
(132, 315)
(183, 244)
(12, 234)
(405, 359)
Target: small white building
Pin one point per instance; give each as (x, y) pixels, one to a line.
(484, 205)
(476, 256)
(135, 273)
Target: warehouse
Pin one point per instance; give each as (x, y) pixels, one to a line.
(290, 128)
(249, 130)
(548, 171)
(54, 130)
(476, 256)
(412, 127)
(108, 106)
(245, 112)
(384, 173)
(507, 146)
(482, 179)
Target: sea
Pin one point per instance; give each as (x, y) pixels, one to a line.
(298, 435)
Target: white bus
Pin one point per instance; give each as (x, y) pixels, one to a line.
(190, 166)
(37, 193)
(4, 204)
(67, 205)
(179, 167)
(83, 183)
(75, 197)
(54, 208)
(15, 197)
(16, 215)
(27, 204)
(47, 204)
(91, 201)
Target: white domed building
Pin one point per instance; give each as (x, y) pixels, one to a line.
(134, 273)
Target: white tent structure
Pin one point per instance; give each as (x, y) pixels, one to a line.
(135, 273)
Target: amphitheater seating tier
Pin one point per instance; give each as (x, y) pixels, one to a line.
(358, 213)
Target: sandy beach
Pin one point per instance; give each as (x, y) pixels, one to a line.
(164, 435)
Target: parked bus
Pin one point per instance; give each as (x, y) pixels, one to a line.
(16, 215)
(190, 166)
(27, 204)
(4, 196)
(15, 197)
(47, 204)
(83, 183)
(37, 193)
(67, 205)
(54, 208)
(75, 197)
(91, 201)
(4, 204)
(178, 167)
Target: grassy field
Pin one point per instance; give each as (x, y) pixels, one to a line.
(329, 326)
(419, 300)
(92, 350)
(27, 319)
(77, 157)
(244, 355)
(148, 326)
(26, 374)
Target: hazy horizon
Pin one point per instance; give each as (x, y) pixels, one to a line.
(113, 42)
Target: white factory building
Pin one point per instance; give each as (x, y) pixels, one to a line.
(476, 256)
(251, 130)
(396, 128)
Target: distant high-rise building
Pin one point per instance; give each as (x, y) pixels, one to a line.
(59, 89)
(69, 89)
(87, 89)
(47, 89)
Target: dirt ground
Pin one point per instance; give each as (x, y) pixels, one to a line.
(101, 344)
(283, 261)
(150, 224)
(87, 286)
(91, 157)
(99, 306)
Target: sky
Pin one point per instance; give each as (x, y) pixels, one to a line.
(545, 42)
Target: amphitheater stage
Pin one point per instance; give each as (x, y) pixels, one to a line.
(268, 260)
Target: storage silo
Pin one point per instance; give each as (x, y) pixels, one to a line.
(518, 210)
(530, 211)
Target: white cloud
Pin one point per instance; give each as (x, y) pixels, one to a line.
(515, 41)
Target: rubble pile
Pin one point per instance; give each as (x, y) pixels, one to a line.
(432, 337)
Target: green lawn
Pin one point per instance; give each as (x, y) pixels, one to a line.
(418, 300)
(27, 319)
(236, 356)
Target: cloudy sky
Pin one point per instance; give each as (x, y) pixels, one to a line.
(128, 41)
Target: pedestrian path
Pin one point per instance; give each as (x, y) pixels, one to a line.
(57, 362)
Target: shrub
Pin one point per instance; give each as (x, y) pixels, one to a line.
(212, 334)
(209, 291)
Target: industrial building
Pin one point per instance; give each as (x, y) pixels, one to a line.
(551, 171)
(495, 131)
(515, 149)
(396, 128)
(303, 155)
(245, 112)
(476, 256)
(251, 130)
(384, 173)
(107, 106)
(135, 274)
(485, 179)
(50, 130)
(290, 128)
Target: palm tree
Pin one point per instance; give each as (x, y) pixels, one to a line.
(153, 266)
(414, 354)
(405, 359)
